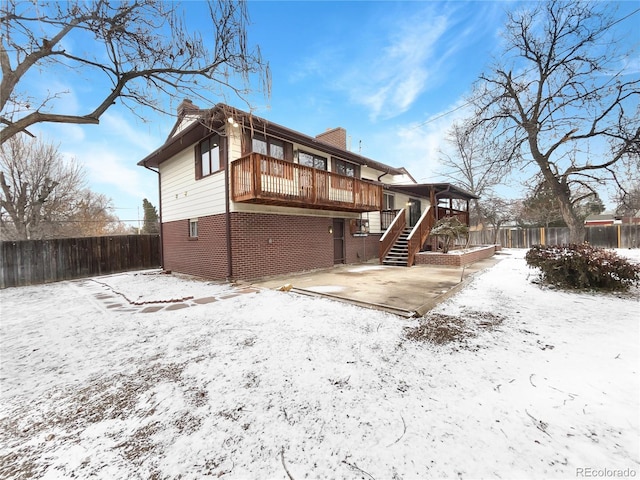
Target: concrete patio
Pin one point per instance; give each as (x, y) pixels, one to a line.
(404, 291)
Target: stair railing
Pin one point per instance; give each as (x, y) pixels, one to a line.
(393, 232)
(419, 234)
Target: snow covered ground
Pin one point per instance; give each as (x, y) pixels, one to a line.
(272, 385)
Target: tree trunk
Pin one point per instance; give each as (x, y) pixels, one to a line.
(560, 189)
(577, 231)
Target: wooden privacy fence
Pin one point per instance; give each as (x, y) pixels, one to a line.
(607, 236)
(31, 262)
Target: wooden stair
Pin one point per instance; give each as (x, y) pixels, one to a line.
(399, 252)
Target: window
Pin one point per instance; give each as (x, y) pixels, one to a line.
(276, 149)
(273, 148)
(311, 160)
(388, 201)
(193, 228)
(208, 156)
(344, 168)
(259, 145)
(268, 146)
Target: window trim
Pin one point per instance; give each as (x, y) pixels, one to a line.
(193, 222)
(287, 147)
(334, 167)
(393, 201)
(198, 154)
(315, 157)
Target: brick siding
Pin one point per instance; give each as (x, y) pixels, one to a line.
(205, 256)
(263, 245)
(454, 260)
(336, 137)
(361, 249)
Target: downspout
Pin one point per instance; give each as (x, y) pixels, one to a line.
(385, 173)
(227, 212)
(159, 213)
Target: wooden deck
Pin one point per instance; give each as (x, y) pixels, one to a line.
(257, 178)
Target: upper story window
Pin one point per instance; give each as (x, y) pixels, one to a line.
(269, 146)
(208, 156)
(311, 160)
(347, 169)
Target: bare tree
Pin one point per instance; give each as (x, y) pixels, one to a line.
(42, 196)
(497, 211)
(628, 200)
(90, 215)
(540, 208)
(474, 162)
(142, 49)
(571, 106)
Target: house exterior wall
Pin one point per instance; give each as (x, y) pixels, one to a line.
(361, 248)
(266, 245)
(183, 196)
(266, 240)
(234, 142)
(400, 202)
(186, 121)
(262, 245)
(205, 256)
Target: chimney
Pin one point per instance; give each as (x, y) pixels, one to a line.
(334, 136)
(187, 108)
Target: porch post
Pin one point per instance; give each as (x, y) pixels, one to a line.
(432, 200)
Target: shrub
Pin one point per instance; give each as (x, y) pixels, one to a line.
(583, 267)
(451, 229)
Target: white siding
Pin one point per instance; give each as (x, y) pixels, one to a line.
(400, 202)
(374, 221)
(185, 197)
(186, 121)
(234, 142)
(403, 179)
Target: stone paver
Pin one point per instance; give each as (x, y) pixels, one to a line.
(230, 295)
(176, 306)
(205, 300)
(152, 309)
(114, 302)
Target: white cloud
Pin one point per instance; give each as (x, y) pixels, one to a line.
(417, 146)
(60, 133)
(116, 125)
(389, 84)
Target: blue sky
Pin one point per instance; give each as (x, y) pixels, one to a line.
(387, 72)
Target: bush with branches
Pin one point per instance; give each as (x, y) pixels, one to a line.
(450, 228)
(583, 267)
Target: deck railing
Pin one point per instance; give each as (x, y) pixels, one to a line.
(390, 237)
(386, 217)
(461, 215)
(259, 178)
(419, 234)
